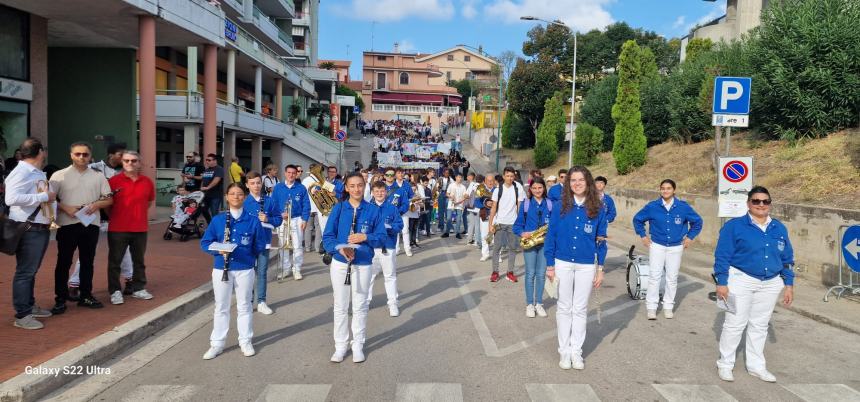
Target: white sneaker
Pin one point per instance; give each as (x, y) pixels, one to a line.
(564, 363)
(393, 310)
(116, 298)
(247, 349)
(668, 314)
(142, 294)
(338, 356)
(485, 258)
(540, 311)
(763, 375)
(409, 253)
(212, 353)
(652, 314)
(297, 275)
(263, 308)
(530, 311)
(577, 363)
(726, 374)
(358, 354)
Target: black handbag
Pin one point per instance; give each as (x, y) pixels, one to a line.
(11, 232)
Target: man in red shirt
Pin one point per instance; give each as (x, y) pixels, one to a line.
(128, 226)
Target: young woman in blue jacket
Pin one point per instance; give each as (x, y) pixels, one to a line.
(672, 226)
(571, 249)
(354, 228)
(534, 212)
(752, 264)
(250, 239)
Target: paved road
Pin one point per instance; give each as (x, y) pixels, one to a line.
(461, 337)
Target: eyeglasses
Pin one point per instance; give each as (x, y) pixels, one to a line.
(81, 154)
(389, 175)
(759, 201)
(130, 160)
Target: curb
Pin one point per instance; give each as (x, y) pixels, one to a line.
(845, 326)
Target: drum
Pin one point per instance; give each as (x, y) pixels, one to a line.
(638, 271)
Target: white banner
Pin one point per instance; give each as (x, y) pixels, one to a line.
(411, 165)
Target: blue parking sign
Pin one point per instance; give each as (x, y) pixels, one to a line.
(732, 95)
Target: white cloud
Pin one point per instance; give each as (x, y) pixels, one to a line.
(718, 10)
(470, 9)
(679, 22)
(406, 46)
(396, 10)
(582, 15)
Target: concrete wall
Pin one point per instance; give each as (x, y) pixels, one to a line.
(291, 156)
(39, 78)
(812, 230)
(91, 92)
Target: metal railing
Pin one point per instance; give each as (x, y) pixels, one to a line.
(425, 109)
(273, 56)
(287, 39)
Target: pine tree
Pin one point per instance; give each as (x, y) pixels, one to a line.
(589, 143)
(630, 147)
(547, 142)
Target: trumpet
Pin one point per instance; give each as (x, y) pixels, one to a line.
(43, 186)
(285, 234)
(491, 235)
(535, 239)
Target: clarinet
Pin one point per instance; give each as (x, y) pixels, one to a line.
(226, 240)
(348, 281)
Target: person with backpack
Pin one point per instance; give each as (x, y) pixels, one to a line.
(506, 202)
(533, 214)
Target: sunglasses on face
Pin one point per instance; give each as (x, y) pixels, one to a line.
(130, 160)
(81, 154)
(389, 175)
(757, 201)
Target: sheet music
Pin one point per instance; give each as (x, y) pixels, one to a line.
(267, 225)
(85, 218)
(729, 305)
(218, 246)
(340, 246)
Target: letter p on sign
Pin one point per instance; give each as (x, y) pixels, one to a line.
(732, 95)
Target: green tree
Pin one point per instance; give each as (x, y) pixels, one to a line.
(656, 117)
(345, 91)
(464, 88)
(630, 147)
(588, 144)
(697, 46)
(530, 85)
(546, 144)
(507, 130)
(596, 108)
(553, 118)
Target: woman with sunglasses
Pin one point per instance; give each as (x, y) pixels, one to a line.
(672, 225)
(534, 213)
(571, 249)
(752, 264)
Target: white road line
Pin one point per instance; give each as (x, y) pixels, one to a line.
(295, 393)
(429, 392)
(162, 393)
(561, 392)
(824, 392)
(693, 393)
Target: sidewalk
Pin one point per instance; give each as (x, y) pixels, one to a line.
(173, 268)
(480, 164)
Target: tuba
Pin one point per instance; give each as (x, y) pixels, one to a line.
(482, 191)
(324, 198)
(535, 239)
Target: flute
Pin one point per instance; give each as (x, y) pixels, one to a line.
(348, 281)
(226, 240)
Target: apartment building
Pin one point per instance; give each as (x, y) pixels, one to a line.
(462, 63)
(741, 16)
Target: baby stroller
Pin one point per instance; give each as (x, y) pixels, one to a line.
(189, 222)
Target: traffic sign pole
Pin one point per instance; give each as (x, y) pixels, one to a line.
(849, 254)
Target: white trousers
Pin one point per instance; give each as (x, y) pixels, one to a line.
(321, 220)
(295, 258)
(385, 263)
(755, 301)
(357, 293)
(243, 283)
(126, 267)
(658, 258)
(407, 246)
(485, 230)
(574, 289)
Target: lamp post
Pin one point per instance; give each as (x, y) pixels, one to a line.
(572, 85)
(498, 108)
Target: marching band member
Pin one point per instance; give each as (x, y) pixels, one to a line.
(315, 224)
(397, 196)
(236, 226)
(502, 217)
(672, 225)
(297, 195)
(575, 228)
(406, 195)
(752, 264)
(257, 205)
(425, 191)
(554, 192)
(354, 229)
(486, 205)
(414, 211)
(533, 214)
(384, 257)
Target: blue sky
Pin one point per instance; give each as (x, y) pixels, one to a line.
(347, 26)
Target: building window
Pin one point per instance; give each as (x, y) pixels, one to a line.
(380, 58)
(450, 57)
(448, 75)
(15, 46)
(404, 79)
(380, 80)
(467, 58)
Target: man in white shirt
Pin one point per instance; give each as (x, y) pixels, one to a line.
(456, 201)
(30, 200)
(313, 231)
(507, 198)
(473, 227)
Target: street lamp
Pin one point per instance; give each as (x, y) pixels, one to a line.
(572, 85)
(498, 109)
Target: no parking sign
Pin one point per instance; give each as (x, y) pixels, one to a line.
(735, 181)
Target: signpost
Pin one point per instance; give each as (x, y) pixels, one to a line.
(734, 182)
(849, 254)
(340, 136)
(335, 118)
(356, 109)
(344, 100)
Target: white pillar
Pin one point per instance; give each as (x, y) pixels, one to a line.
(258, 89)
(257, 154)
(191, 138)
(192, 68)
(231, 76)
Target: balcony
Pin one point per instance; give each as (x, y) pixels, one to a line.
(250, 46)
(278, 37)
(260, 25)
(196, 16)
(302, 19)
(277, 8)
(179, 108)
(421, 109)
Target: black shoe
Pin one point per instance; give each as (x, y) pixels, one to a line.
(458, 236)
(59, 308)
(471, 242)
(462, 233)
(127, 290)
(90, 302)
(74, 294)
(444, 235)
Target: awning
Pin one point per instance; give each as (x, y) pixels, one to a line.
(406, 98)
(454, 100)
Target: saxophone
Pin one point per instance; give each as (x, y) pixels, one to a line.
(535, 239)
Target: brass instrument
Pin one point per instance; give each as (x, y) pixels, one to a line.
(535, 239)
(43, 186)
(416, 203)
(482, 191)
(285, 235)
(489, 238)
(323, 198)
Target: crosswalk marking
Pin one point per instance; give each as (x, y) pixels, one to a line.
(824, 392)
(295, 393)
(561, 392)
(693, 393)
(429, 392)
(161, 393)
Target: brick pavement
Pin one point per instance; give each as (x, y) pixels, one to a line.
(172, 268)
